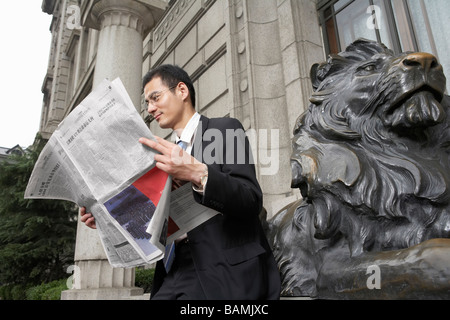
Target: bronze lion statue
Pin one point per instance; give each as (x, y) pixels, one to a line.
(371, 159)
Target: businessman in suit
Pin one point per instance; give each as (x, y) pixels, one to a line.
(228, 256)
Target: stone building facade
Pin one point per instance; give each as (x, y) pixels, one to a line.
(249, 59)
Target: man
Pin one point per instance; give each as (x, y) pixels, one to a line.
(228, 256)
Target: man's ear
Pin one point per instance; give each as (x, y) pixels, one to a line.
(183, 90)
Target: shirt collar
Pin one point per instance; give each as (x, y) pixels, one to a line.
(189, 131)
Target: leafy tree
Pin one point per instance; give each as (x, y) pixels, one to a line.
(37, 237)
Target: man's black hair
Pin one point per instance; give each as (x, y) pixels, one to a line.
(170, 76)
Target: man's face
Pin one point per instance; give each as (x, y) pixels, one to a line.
(163, 104)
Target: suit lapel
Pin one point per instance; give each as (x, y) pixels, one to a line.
(197, 146)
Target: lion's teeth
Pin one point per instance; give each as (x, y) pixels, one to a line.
(412, 110)
(437, 112)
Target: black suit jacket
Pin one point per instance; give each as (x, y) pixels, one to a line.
(231, 254)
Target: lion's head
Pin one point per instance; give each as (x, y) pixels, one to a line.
(367, 85)
(371, 154)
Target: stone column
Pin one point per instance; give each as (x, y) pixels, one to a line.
(273, 44)
(123, 24)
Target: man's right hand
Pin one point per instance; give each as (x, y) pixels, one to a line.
(87, 218)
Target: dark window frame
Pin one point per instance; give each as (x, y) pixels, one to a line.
(326, 11)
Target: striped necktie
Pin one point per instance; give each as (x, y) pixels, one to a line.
(169, 254)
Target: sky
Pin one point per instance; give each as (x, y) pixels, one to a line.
(25, 37)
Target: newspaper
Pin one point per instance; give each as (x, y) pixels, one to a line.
(94, 159)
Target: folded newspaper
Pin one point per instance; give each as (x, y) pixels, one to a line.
(94, 159)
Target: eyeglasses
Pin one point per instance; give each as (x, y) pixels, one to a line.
(155, 96)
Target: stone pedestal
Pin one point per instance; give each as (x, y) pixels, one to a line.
(122, 25)
(417, 273)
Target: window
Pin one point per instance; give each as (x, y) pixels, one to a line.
(402, 25)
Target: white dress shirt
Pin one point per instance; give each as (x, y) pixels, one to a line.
(188, 133)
